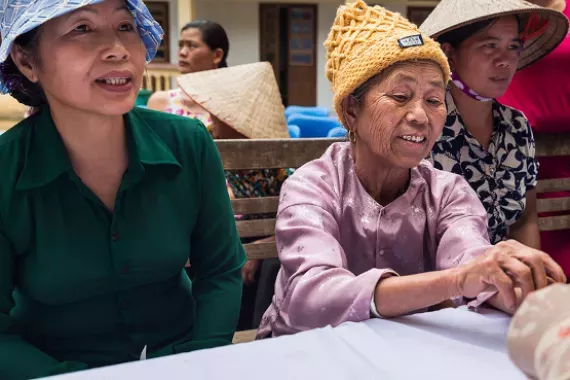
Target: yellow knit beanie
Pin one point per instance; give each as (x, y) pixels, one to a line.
(366, 40)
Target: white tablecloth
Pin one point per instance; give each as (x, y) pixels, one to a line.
(447, 344)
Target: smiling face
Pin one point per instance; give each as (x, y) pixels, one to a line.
(401, 114)
(488, 60)
(91, 59)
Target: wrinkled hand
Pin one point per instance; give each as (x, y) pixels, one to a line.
(248, 271)
(506, 266)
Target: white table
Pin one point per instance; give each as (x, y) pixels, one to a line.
(447, 344)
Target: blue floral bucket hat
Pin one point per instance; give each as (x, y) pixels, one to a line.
(18, 17)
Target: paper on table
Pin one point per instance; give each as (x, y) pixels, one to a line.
(143, 353)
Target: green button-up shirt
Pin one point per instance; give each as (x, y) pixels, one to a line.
(81, 286)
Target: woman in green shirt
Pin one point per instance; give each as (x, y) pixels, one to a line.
(102, 205)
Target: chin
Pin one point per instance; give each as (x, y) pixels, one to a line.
(115, 108)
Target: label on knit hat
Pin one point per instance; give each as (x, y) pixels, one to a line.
(410, 41)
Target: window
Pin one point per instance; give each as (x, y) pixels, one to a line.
(159, 10)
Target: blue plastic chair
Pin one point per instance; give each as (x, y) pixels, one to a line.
(294, 131)
(311, 111)
(314, 126)
(337, 132)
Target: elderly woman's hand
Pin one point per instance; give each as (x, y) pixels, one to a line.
(507, 266)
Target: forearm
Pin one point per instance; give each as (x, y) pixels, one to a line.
(396, 296)
(218, 301)
(21, 360)
(526, 233)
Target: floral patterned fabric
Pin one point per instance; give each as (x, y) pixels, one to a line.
(256, 183)
(539, 334)
(176, 106)
(500, 175)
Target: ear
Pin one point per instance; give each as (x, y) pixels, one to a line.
(218, 56)
(24, 63)
(350, 109)
(449, 52)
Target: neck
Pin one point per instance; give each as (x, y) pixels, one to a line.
(477, 116)
(92, 140)
(380, 179)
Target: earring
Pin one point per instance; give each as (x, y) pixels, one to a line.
(352, 136)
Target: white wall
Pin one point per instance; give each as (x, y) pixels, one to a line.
(240, 18)
(241, 22)
(173, 32)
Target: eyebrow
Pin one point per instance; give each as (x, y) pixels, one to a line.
(490, 38)
(93, 11)
(410, 79)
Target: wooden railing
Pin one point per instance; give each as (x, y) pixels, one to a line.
(160, 77)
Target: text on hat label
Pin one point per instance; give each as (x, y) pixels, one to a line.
(410, 41)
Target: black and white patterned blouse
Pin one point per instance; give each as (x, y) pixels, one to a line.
(503, 174)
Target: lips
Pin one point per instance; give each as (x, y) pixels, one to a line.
(116, 78)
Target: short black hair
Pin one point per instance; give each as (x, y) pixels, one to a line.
(20, 87)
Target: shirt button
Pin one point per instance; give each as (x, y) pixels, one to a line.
(115, 236)
(381, 252)
(124, 269)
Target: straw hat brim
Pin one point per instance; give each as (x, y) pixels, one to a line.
(442, 21)
(245, 97)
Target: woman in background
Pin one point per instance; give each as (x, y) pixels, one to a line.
(542, 93)
(491, 145)
(203, 46)
(257, 114)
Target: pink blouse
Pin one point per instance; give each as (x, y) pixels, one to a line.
(335, 242)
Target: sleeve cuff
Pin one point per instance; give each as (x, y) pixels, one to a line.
(481, 299)
(373, 310)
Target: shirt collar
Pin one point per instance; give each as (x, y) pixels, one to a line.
(47, 157)
(454, 126)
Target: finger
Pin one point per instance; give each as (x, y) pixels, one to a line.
(505, 286)
(535, 263)
(520, 273)
(553, 269)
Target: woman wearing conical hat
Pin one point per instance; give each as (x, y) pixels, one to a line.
(491, 145)
(371, 229)
(244, 103)
(542, 92)
(203, 45)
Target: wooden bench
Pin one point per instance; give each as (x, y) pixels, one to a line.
(552, 145)
(294, 153)
(264, 154)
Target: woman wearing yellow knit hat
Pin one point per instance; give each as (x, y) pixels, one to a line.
(370, 228)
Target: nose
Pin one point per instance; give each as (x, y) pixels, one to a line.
(115, 49)
(417, 113)
(183, 51)
(504, 61)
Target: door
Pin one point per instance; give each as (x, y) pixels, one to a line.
(288, 41)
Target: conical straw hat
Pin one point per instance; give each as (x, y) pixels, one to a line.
(453, 14)
(245, 97)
